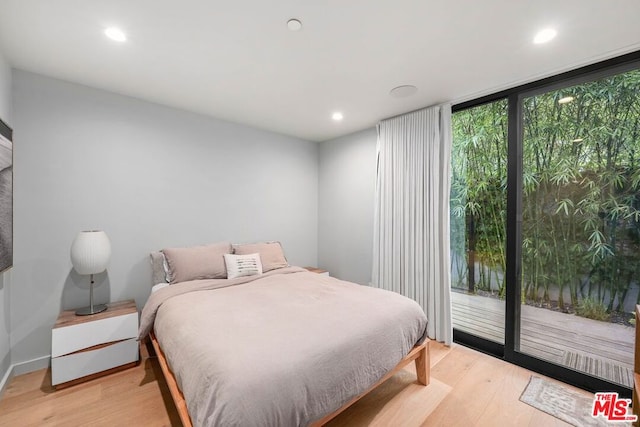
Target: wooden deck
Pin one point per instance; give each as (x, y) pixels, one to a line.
(598, 348)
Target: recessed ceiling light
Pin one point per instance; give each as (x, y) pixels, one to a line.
(115, 34)
(294, 24)
(565, 100)
(545, 35)
(337, 116)
(403, 91)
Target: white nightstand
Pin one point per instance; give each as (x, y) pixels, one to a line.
(317, 270)
(85, 347)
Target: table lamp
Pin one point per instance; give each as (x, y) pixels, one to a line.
(90, 252)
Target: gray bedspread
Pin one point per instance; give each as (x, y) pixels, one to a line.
(281, 349)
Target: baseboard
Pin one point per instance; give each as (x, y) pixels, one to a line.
(31, 365)
(23, 368)
(5, 380)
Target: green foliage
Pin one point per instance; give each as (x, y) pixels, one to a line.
(478, 189)
(581, 193)
(592, 309)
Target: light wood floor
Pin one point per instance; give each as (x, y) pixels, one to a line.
(467, 389)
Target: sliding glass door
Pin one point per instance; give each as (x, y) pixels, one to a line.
(478, 213)
(545, 224)
(581, 225)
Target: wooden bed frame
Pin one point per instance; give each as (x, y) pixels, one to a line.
(419, 354)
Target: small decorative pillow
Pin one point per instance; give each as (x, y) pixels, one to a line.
(271, 254)
(242, 265)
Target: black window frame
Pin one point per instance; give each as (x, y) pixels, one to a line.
(515, 97)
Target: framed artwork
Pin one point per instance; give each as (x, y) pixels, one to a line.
(6, 196)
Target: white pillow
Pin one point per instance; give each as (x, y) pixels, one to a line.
(165, 267)
(242, 265)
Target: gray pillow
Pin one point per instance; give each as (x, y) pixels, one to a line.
(159, 268)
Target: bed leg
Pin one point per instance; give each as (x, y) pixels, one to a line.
(423, 365)
(151, 351)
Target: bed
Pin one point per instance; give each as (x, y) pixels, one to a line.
(287, 347)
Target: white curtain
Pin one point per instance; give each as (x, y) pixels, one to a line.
(411, 226)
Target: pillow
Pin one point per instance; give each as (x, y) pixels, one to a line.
(271, 254)
(197, 262)
(242, 265)
(159, 268)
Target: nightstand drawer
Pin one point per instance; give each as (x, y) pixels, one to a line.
(72, 338)
(77, 365)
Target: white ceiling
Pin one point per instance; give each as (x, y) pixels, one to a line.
(236, 60)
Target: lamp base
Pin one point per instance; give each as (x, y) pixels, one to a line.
(87, 311)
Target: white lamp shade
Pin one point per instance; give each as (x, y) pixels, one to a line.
(90, 252)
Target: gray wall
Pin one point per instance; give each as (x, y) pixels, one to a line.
(5, 345)
(5, 90)
(346, 195)
(151, 177)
